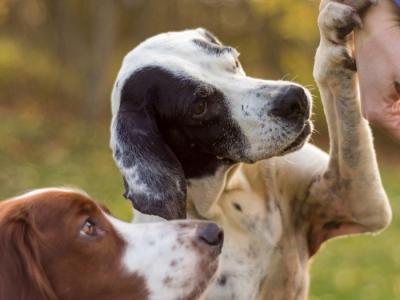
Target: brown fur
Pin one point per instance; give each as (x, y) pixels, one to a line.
(42, 256)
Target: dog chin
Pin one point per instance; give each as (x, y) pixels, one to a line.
(301, 139)
(294, 145)
(207, 275)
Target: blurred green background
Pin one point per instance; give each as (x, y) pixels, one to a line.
(58, 59)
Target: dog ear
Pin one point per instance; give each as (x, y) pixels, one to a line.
(153, 177)
(21, 274)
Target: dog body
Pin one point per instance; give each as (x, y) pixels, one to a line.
(261, 208)
(194, 136)
(58, 244)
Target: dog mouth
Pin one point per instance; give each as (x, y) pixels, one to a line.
(301, 138)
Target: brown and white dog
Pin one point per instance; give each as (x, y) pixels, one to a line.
(58, 244)
(232, 148)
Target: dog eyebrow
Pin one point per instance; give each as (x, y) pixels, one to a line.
(212, 38)
(212, 48)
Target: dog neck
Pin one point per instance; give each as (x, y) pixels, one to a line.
(204, 193)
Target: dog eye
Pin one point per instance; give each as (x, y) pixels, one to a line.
(89, 229)
(199, 109)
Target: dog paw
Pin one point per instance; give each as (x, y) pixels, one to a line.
(337, 19)
(334, 55)
(333, 65)
(347, 61)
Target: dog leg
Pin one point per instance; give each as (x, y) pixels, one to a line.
(348, 197)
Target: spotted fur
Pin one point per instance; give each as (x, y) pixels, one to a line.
(276, 205)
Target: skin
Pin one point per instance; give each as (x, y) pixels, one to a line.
(377, 46)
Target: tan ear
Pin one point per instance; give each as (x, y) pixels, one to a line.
(21, 274)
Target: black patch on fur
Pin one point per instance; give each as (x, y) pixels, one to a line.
(211, 48)
(155, 167)
(222, 280)
(158, 135)
(237, 206)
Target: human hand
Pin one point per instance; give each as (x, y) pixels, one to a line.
(377, 52)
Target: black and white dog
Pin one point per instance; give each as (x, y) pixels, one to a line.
(195, 137)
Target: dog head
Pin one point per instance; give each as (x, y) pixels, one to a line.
(182, 106)
(60, 244)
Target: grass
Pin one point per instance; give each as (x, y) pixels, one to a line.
(39, 150)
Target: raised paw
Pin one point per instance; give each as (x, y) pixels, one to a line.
(334, 59)
(338, 18)
(333, 64)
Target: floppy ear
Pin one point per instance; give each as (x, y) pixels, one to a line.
(21, 275)
(153, 176)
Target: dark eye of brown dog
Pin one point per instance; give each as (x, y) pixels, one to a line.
(199, 109)
(89, 229)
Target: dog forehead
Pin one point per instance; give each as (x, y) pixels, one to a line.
(176, 52)
(165, 49)
(173, 40)
(180, 42)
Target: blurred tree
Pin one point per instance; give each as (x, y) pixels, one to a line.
(81, 43)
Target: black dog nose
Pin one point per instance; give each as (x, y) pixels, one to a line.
(291, 104)
(211, 234)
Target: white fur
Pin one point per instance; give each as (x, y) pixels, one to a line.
(177, 53)
(273, 210)
(163, 254)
